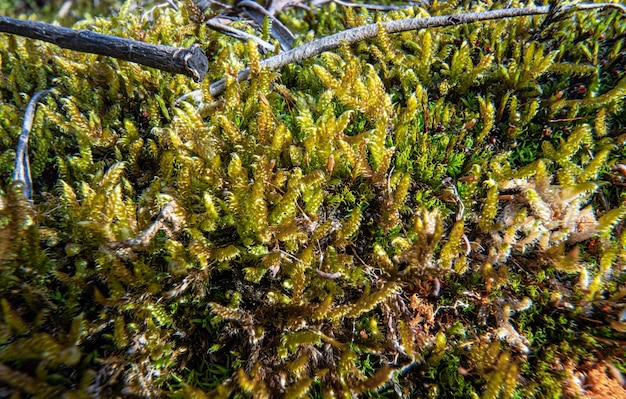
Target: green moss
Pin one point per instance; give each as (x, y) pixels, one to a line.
(426, 214)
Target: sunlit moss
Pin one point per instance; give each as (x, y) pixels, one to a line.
(431, 213)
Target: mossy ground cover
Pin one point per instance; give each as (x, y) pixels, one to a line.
(435, 213)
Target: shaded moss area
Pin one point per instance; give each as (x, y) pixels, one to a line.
(435, 213)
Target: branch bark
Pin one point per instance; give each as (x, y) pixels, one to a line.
(191, 62)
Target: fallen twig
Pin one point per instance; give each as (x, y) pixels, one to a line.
(168, 221)
(191, 62)
(22, 164)
(279, 31)
(361, 33)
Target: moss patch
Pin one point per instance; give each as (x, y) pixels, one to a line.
(436, 213)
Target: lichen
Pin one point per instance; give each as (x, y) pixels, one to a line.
(436, 212)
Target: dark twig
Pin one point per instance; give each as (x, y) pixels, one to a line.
(22, 164)
(278, 31)
(191, 62)
(361, 33)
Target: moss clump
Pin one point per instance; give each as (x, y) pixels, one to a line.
(427, 213)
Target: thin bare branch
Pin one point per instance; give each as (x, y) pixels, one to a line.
(22, 164)
(361, 33)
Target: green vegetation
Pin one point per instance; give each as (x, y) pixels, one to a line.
(436, 213)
